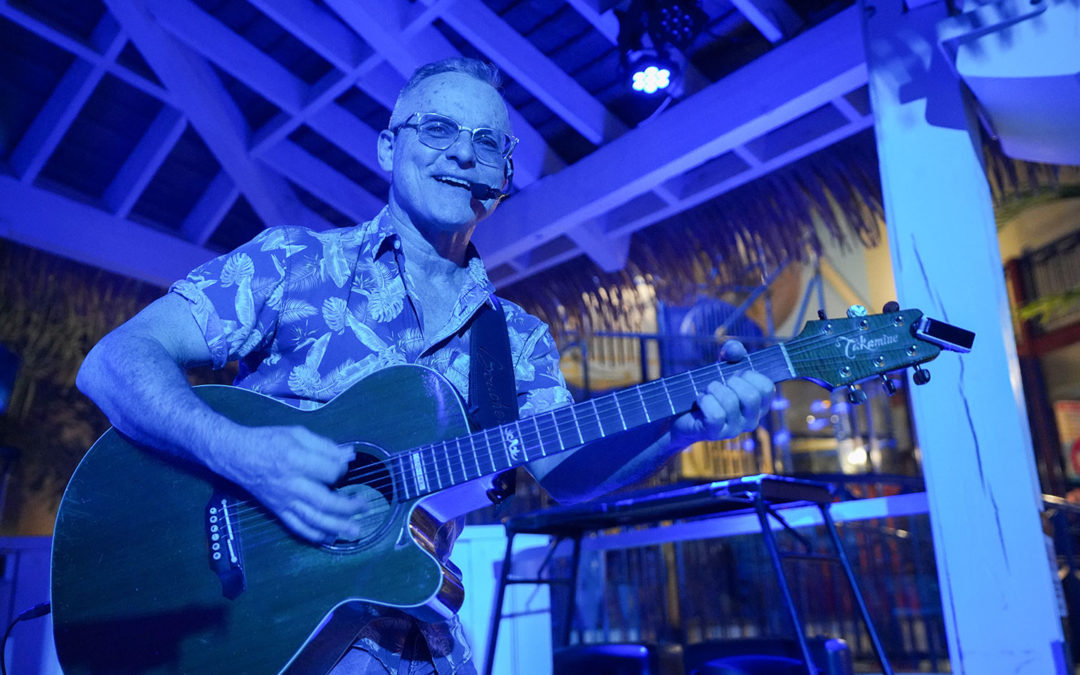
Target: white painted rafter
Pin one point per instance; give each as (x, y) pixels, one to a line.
(801, 75)
(218, 43)
(384, 28)
(531, 69)
(82, 51)
(67, 99)
(65, 227)
(329, 185)
(210, 210)
(214, 116)
(774, 19)
(144, 161)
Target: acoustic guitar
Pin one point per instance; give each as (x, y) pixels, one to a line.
(160, 566)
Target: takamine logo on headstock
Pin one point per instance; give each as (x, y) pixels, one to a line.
(843, 352)
(861, 343)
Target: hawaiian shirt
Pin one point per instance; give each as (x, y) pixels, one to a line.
(308, 314)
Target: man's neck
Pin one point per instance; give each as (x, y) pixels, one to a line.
(440, 250)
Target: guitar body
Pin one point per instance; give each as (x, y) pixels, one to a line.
(133, 585)
(159, 567)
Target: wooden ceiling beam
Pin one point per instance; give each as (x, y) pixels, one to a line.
(45, 220)
(139, 168)
(788, 82)
(67, 99)
(533, 70)
(214, 116)
(407, 46)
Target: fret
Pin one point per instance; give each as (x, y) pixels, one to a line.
(491, 456)
(564, 420)
(519, 449)
(693, 384)
(509, 444)
(434, 464)
(475, 456)
(645, 408)
(539, 443)
(536, 433)
(618, 409)
(577, 425)
(449, 464)
(787, 362)
(397, 471)
(418, 472)
(549, 434)
(656, 400)
(610, 427)
(671, 404)
(632, 408)
(588, 423)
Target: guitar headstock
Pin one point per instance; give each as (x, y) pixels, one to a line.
(841, 352)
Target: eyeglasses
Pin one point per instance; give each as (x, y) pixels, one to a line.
(439, 132)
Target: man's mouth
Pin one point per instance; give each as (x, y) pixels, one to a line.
(456, 182)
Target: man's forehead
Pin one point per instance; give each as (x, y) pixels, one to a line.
(465, 98)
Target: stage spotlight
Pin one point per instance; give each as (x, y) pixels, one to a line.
(651, 73)
(654, 36)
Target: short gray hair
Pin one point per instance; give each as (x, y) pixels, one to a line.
(481, 70)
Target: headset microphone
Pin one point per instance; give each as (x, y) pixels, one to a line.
(481, 191)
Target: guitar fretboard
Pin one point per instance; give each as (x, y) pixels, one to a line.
(442, 465)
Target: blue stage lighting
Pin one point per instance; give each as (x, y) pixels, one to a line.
(651, 73)
(651, 79)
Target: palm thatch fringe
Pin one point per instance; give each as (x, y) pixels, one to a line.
(727, 241)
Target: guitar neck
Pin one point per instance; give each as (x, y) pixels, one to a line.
(442, 465)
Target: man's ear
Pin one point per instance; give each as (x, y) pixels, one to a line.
(386, 150)
(508, 174)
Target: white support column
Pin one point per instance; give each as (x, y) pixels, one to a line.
(997, 591)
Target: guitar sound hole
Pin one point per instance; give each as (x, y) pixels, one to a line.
(367, 477)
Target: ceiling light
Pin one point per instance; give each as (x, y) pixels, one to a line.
(651, 73)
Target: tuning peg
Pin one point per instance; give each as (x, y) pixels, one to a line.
(890, 307)
(855, 396)
(856, 311)
(890, 386)
(921, 376)
(822, 315)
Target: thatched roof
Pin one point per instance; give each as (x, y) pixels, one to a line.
(780, 217)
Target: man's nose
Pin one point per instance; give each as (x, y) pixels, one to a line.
(462, 147)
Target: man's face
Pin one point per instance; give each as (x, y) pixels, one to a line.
(427, 184)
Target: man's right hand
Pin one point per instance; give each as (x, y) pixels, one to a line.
(290, 471)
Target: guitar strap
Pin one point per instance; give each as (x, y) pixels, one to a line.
(492, 389)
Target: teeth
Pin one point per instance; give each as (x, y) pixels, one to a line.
(452, 181)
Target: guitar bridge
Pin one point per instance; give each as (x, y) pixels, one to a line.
(223, 546)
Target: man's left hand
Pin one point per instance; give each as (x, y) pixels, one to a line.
(726, 409)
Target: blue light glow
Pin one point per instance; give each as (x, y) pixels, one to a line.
(652, 79)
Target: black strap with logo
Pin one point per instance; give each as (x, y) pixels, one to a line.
(492, 388)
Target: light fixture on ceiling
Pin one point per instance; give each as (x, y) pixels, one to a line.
(653, 38)
(652, 73)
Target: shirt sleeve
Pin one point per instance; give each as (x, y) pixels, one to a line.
(236, 298)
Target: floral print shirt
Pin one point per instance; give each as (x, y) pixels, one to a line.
(308, 314)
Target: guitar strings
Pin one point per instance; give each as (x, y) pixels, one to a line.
(555, 425)
(552, 424)
(395, 467)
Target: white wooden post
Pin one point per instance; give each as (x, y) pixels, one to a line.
(996, 585)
